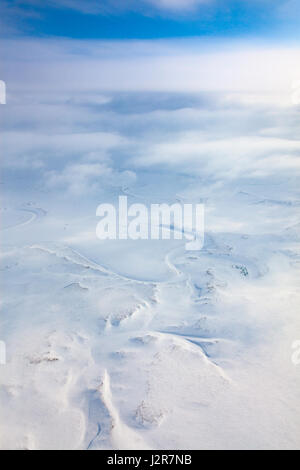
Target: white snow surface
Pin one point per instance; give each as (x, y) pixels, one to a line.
(142, 344)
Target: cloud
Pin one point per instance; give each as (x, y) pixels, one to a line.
(95, 7)
(13, 16)
(29, 149)
(231, 157)
(19, 17)
(83, 178)
(84, 114)
(177, 5)
(176, 65)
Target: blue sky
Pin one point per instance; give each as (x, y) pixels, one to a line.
(147, 19)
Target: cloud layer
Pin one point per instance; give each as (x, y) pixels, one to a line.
(190, 65)
(84, 114)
